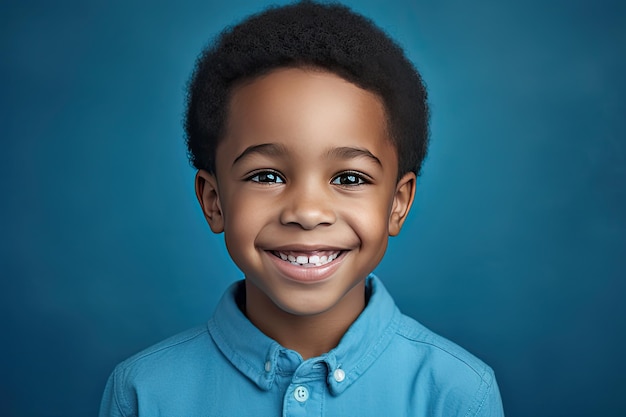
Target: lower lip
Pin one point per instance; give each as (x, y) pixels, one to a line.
(306, 274)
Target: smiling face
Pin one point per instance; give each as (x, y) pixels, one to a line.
(305, 191)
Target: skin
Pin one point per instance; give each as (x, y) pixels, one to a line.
(306, 168)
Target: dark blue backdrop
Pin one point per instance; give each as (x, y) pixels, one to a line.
(515, 248)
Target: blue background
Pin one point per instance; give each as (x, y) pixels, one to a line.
(515, 248)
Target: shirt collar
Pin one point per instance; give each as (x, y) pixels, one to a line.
(259, 357)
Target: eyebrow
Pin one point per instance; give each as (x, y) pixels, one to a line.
(276, 149)
(346, 152)
(268, 149)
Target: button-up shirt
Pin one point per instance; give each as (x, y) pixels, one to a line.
(386, 364)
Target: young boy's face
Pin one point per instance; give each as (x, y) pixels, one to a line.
(305, 190)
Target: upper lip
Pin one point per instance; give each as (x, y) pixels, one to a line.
(307, 248)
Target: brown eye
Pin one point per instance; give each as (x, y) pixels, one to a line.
(349, 178)
(266, 177)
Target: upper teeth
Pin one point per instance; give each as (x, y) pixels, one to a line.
(308, 260)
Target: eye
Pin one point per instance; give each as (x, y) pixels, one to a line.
(349, 179)
(266, 177)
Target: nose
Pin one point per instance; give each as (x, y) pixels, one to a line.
(308, 207)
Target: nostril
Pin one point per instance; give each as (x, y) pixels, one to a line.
(309, 217)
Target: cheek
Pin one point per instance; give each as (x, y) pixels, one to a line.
(238, 226)
(372, 231)
(370, 220)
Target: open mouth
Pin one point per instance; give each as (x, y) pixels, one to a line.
(318, 259)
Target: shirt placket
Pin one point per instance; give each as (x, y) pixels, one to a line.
(307, 390)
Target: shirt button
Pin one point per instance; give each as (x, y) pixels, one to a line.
(339, 375)
(268, 366)
(301, 394)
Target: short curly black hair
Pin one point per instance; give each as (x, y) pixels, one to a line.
(307, 34)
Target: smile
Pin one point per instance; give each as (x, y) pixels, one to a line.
(318, 259)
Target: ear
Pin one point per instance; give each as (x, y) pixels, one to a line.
(402, 201)
(208, 196)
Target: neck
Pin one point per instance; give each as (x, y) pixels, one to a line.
(309, 335)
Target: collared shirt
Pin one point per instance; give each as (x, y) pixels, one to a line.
(386, 364)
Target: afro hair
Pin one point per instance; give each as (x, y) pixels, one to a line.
(330, 37)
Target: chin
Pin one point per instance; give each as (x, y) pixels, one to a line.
(303, 308)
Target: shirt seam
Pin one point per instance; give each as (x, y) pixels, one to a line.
(369, 356)
(120, 399)
(232, 352)
(123, 399)
(144, 355)
(489, 385)
(457, 357)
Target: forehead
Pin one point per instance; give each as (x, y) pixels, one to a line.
(301, 106)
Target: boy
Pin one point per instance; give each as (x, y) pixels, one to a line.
(308, 127)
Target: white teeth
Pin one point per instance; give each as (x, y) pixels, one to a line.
(313, 260)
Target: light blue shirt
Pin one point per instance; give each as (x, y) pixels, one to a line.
(387, 364)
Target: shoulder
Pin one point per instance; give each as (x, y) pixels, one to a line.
(436, 348)
(183, 354)
(454, 378)
(191, 339)
(157, 372)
